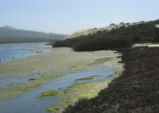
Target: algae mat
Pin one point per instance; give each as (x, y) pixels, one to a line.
(21, 75)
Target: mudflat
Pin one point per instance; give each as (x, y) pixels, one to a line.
(21, 75)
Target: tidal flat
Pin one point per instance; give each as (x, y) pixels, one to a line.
(72, 75)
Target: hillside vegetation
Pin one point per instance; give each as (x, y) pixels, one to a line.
(113, 36)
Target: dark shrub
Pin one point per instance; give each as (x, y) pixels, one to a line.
(102, 43)
(156, 37)
(68, 42)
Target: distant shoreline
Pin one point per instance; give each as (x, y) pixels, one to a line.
(24, 42)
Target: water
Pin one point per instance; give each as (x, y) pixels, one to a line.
(13, 51)
(28, 103)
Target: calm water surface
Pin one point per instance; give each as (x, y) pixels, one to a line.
(13, 51)
(27, 102)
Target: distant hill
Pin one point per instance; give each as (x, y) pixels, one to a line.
(12, 35)
(113, 36)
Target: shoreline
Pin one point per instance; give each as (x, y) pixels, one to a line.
(31, 72)
(135, 91)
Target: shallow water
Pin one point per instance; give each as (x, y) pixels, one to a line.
(13, 51)
(28, 103)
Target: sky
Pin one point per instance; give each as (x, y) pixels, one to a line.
(68, 16)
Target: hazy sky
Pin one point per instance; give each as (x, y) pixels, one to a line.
(67, 16)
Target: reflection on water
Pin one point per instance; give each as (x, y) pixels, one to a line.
(13, 51)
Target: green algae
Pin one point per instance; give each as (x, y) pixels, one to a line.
(102, 60)
(49, 67)
(43, 64)
(50, 109)
(17, 89)
(59, 107)
(47, 93)
(76, 91)
(34, 47)
(95, 76)
(88, 78)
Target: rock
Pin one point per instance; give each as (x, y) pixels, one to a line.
(31, 79)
